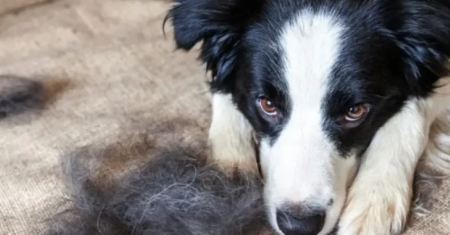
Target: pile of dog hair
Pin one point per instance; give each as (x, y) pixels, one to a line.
(156, 182)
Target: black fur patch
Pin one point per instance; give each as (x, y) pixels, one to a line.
(19, 94)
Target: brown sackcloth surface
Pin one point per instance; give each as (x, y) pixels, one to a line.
(104, 64)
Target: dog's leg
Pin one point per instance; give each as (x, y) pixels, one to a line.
(379, 199)
(230, 136)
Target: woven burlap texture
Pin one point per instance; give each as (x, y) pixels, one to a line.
(105, 64)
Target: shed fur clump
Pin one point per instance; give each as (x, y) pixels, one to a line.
(174, 190)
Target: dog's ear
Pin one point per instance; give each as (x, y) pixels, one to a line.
(220, 25)
(424, 37)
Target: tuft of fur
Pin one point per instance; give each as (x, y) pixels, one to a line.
(19, 94)
(173, 190)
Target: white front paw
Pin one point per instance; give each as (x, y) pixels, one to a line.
(375, 209)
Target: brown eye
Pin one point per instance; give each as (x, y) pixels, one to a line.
(355, 113)
(267, 106)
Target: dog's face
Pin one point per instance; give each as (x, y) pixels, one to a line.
(315, 94)
(316, 80)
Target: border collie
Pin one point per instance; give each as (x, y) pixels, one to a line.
(339, 96)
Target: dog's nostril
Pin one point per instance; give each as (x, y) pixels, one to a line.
(297, 221)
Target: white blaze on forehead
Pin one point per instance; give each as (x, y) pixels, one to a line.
(311, 45)
(299, 166)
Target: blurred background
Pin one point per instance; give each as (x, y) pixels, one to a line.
(104, 65)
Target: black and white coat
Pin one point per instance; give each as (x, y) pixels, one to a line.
(337, 93)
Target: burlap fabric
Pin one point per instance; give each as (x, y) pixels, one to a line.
(105, 64)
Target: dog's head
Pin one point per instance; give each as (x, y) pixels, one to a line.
(316, 79)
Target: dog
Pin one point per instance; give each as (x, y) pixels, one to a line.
(338, 95)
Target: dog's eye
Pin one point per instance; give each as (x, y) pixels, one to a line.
(356, 113)
(267, 106)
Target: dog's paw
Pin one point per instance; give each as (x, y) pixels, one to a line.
(375, 209)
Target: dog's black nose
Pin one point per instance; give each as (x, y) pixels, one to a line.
(298, 221)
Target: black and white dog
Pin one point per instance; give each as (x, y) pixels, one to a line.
(337, 93)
